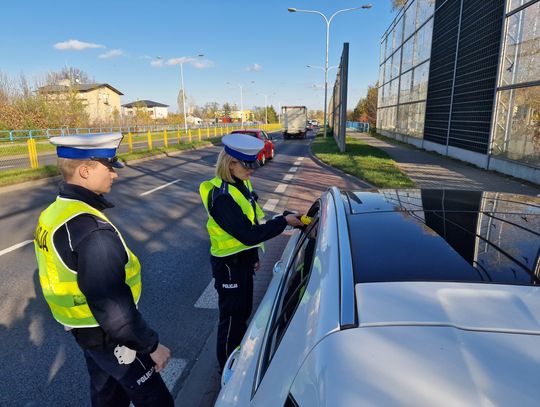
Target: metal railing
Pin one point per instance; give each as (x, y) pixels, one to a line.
(31, 149)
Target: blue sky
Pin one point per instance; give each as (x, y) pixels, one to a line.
(242, 41)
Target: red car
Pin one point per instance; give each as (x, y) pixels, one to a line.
(267, 153)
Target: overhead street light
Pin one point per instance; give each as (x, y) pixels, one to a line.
(327, 21)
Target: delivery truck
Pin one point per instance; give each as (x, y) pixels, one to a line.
(294, 121)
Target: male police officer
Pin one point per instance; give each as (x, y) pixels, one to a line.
(92, 281)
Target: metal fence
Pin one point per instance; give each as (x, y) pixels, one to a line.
(21, 149)
(360, 126)
(338, 103)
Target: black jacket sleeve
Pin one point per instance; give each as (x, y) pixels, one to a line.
(231, 219)
(101, 259)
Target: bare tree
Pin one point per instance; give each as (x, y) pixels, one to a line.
(74, 75)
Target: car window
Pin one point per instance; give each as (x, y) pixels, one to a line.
(292, 290)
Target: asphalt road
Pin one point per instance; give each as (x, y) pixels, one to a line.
(159, 212)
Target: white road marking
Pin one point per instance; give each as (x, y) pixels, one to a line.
(281, 188)
(6, 166)
(15, 247)
(297, 163)
(161, 187)
(172, 372)
(293, 169)
(288, 177)
(270, 205)
(209, 297)
(301, 158)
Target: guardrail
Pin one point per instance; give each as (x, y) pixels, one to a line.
(31, 149)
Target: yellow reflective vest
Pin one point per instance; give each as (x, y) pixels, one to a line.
(221, 243)
(58, 282)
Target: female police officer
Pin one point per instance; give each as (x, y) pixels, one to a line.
(92, 281)
(235, 235)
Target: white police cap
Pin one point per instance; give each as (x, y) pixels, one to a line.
(98, 147)
(243, 147)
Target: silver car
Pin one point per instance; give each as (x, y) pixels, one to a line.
(399, 298)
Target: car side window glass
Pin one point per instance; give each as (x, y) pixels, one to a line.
(292, 290)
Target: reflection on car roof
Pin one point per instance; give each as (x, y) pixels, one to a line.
(441, 235)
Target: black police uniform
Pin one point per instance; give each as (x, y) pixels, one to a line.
(92, 247)
(234, 274)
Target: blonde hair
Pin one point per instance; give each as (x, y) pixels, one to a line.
(223, 167)
(68, 166)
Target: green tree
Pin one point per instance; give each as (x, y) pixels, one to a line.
(366, 108)
(272, 115)
(227, 109)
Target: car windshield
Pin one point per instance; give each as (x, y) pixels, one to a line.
(459, 236)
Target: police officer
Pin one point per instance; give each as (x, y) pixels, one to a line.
(235, 235)
(92, 281)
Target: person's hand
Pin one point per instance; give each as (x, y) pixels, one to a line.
(161, 357)
(294, 220)
(257, 266)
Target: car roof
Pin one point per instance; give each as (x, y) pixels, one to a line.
(247, 131)
(443, 235)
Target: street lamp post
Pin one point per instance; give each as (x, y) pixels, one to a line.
(184, 91)
(183, 96)
(265, 107)
(327, 21)
(241, 101)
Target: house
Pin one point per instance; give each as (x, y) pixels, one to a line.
(101, 101)
(154, 109)
(242, 116)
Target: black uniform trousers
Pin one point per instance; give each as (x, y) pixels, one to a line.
(233, 277)
(115, 385)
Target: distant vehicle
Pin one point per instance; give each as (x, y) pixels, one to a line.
(399, 298)
(294, 121)
(267, 153)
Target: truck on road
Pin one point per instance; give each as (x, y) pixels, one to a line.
(294, 121)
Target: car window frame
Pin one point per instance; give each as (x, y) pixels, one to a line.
(262, 364)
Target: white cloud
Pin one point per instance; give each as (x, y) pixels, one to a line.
(113, 53)
(76, 45)
(195, 62)
(254, 68)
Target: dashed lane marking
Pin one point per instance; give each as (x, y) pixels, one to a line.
(298, 163)
(288, 177)
(270, 205)
(15, 247)
(281, 188)
(161, 187)
(209, 297)
(300, 158)
(293, 169)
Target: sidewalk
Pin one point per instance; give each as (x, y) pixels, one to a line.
(430, 170)
(312, 179)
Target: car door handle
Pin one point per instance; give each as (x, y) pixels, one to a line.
(277, 267)
(228, 370)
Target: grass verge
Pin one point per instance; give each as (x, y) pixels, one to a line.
(362, 161)
(16, 176)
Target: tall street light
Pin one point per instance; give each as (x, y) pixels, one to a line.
(184, 92)
(328, 21)
(241, 100)
(265, 106)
